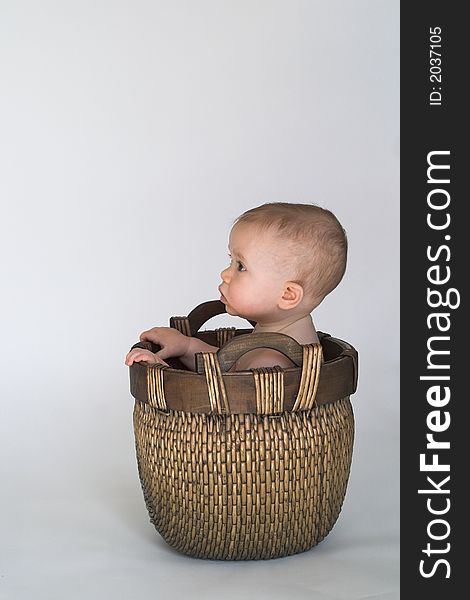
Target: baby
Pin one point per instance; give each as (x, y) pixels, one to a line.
(284, 259)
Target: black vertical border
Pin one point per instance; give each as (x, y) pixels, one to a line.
(424, 129)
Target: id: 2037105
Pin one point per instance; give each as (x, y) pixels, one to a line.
(435, 62)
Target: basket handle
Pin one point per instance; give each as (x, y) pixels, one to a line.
(191, 324)
(199, 315)
(241, 344)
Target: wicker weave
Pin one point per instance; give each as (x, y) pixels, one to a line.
(223, 483)
(244, 486)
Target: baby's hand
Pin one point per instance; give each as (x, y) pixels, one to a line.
(172, 342)
(142, 355)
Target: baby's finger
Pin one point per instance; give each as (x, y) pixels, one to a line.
(129, 358)
(160, 361)
(163, 353)
(150, 335)
(135, 355)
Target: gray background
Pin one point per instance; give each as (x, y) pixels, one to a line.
(132, 134)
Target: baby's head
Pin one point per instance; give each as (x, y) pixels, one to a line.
(291, 255)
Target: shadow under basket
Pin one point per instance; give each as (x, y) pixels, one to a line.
(239, 465)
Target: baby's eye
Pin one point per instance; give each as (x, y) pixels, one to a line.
(240, 266)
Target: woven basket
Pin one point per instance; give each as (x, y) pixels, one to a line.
(251, 464)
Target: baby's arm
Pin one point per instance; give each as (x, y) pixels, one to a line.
(173, 344)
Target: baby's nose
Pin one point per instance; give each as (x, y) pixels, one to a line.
(225, 275)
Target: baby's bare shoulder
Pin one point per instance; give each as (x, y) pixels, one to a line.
(262, 357)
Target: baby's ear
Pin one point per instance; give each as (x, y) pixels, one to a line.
(292, 295)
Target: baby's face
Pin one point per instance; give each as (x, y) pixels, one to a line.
(255, 280)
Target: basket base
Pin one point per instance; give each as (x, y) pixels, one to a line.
(244, 487)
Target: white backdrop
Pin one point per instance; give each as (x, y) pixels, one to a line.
(132, 134)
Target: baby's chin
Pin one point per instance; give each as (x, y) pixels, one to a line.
(231, 311)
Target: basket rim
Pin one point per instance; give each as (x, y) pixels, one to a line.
(187, 390)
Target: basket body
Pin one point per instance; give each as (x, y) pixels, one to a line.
(240, 465)
(244, 486)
